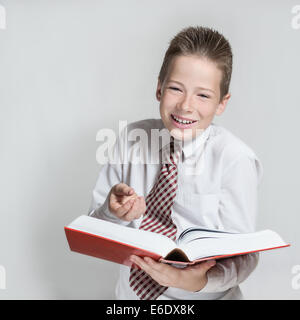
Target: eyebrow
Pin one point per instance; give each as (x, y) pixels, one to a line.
(207, 89)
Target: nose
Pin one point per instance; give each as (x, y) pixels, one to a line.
(185, 104)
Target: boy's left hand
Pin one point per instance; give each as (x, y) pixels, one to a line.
(192, 278)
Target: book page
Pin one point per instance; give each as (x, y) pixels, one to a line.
(142, 239)
(193, 233)
(205, 243)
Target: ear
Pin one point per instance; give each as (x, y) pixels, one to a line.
(222, 105)
(158, 90)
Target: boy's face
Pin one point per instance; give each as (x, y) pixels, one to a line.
(191, 91)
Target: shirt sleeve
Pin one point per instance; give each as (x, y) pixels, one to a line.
(110, 174)
(237, 211)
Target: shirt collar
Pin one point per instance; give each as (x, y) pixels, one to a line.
(193, 146)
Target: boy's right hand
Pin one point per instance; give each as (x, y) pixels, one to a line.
(124, 203)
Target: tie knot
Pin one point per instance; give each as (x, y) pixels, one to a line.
(171, 153)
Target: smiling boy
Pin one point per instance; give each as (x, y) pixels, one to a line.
(193, 87)
(196, 97)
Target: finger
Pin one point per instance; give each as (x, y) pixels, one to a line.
(120, 200)
(122, 189)
(143, 204)
(159, 266)
(136, 210)
(122, 210)
(143, 265)
(133, 212)
(209, 264)
(164, 274)
(157, 276)
(139, 261)
(205, 266)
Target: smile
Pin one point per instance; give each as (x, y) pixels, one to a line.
(182, 123)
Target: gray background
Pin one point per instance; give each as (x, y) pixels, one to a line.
(70, 68)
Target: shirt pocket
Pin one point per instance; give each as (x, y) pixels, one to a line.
(205, 209)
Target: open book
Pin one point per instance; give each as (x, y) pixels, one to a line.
(114, 242)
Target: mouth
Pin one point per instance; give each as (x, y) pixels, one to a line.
(181, 122)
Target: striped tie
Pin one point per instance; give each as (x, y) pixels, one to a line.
(158, 219)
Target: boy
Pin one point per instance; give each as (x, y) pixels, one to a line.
(193, 87)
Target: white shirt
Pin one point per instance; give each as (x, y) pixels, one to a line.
(218, 181)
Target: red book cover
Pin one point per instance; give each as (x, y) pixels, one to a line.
(104, 248)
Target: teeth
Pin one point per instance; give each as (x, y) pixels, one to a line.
(183, 121)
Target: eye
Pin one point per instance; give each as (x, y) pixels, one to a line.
(174, 88)
(203, 96)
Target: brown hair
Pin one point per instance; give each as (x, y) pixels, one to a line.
(204, 42)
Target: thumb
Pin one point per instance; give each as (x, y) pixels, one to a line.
(122, 189)
(208, 264)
